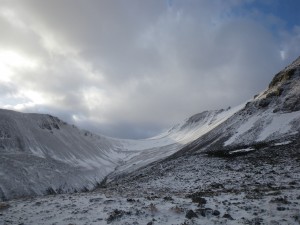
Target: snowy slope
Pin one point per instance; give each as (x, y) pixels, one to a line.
(274, 114)
(41, 154)
(271, 117)
(173, 140)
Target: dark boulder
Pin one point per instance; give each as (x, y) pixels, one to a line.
(191, 214)
(228, 216)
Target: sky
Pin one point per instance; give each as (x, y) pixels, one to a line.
(131, 69)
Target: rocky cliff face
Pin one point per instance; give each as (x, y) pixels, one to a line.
(283, 93)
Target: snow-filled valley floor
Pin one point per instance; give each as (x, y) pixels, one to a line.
(261, 187)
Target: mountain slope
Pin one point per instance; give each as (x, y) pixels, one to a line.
(41, 154)
(247, 167)
(167, 143)
(272, 117)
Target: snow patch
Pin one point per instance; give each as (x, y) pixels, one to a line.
(281, 124)
(242, 129)
(241, 150)
(282, 143)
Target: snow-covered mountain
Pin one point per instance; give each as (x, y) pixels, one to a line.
(41, 154)
(270, 118)
(273, 114)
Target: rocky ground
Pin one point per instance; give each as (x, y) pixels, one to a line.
(262, 187)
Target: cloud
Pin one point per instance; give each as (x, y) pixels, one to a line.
(133, 68)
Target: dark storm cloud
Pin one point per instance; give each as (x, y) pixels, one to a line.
(132, 68)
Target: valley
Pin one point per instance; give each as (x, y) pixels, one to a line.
(235, 166)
